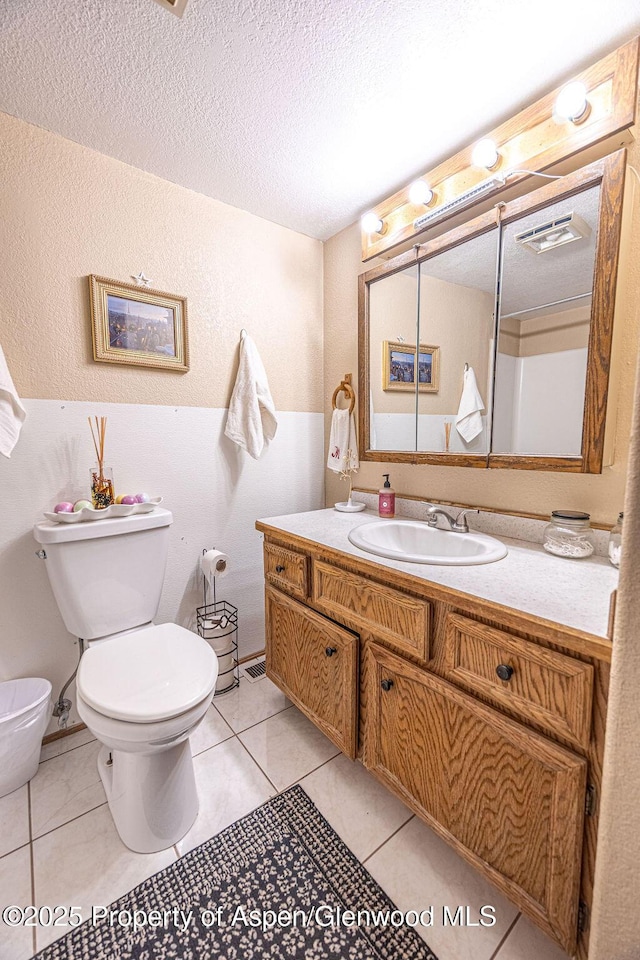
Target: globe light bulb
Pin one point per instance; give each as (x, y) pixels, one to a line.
(485, 154)
(571, 103)
(420, 193)
(371, 223)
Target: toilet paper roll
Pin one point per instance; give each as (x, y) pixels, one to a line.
(214, 564)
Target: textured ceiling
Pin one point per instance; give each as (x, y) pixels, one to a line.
(305, 112)
(528, 279)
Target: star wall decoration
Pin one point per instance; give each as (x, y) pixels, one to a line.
(141, 279)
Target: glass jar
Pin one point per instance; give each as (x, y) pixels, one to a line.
(568, 535)
(615, 541)
(102, 494)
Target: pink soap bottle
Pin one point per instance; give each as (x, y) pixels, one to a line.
(386, 499)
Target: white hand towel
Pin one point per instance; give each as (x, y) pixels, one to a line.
(252, 415)
(12, 413)
(343, 443)
(469, 419)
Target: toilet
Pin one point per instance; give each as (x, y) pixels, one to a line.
(142, 688)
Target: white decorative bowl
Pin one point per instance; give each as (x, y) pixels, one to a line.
(115, 510)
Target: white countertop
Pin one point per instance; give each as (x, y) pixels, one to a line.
(574, 593)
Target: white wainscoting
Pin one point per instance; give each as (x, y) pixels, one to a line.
(214, 490)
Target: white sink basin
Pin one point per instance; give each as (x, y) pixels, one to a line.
(417, 542)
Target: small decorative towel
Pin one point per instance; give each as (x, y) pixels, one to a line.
(469, 419)
(343, 442)
(252, 415)
(12, 413)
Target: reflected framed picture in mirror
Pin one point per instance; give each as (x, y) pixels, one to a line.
(399, 367)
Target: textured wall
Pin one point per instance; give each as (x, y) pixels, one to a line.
(67, 212)
(530, 491)
(615, 929)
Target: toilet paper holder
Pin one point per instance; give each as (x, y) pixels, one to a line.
(217, 623)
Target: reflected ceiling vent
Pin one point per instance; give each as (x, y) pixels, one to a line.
(460, 203)
(554, 233)
(176, 6)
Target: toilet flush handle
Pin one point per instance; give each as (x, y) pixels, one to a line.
(41, 554)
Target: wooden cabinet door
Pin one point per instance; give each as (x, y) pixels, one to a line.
(315, 662)
(509, 800)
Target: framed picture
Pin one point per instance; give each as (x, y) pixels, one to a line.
(138, 326)
(399, 367)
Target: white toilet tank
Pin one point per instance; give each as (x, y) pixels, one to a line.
(106, 575)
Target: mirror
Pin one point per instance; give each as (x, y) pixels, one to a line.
(393, 324)
(539, 387)
(456, 319)
(548, 262)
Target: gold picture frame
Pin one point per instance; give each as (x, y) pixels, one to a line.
(138, 326)
(399, 367)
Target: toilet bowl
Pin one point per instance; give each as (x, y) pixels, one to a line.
(142, 694)
(141, 688)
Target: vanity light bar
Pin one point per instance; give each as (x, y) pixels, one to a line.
(460, 203)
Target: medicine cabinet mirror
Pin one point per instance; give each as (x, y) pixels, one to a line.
(513, 309)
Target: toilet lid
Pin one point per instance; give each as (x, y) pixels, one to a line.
(148, 674)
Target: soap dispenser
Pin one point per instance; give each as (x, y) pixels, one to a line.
(386, 499)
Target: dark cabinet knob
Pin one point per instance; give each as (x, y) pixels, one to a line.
(386, 685)
(280, 568)
(330, 651)
(504, 672)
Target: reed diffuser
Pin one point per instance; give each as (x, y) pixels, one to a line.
(102, 494)
(447, 435)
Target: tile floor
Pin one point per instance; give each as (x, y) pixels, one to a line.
(58, 844)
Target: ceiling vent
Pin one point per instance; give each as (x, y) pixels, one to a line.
(554, 233)
(176, 6)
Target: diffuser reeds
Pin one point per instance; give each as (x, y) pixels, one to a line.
(101, 479)
(447, 435)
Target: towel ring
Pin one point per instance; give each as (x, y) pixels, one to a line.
(344, 387)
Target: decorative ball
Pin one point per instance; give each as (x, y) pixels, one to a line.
(64, 507)
(79, 504)
(142, 498)
(119, 499)
(128, 500)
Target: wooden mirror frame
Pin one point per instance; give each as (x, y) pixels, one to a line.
(609, 174)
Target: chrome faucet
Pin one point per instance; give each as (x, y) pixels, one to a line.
(458, 525)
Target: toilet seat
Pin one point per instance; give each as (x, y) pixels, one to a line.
(151, 674)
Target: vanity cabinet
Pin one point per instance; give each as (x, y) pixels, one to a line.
(510, 800)
(486, 721)
(315, 662)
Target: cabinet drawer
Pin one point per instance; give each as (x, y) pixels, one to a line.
(508, 799)
(315, 662)
(403, 620)
(544, 686)
(287, 569)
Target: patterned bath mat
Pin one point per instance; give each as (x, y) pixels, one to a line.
(277, 884)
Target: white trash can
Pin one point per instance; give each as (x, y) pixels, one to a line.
(24, 714)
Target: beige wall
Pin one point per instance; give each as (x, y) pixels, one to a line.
(529, 491)
(614, 924)
(393, 312)
(67, 212)
(548, 333)
(459, 320)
